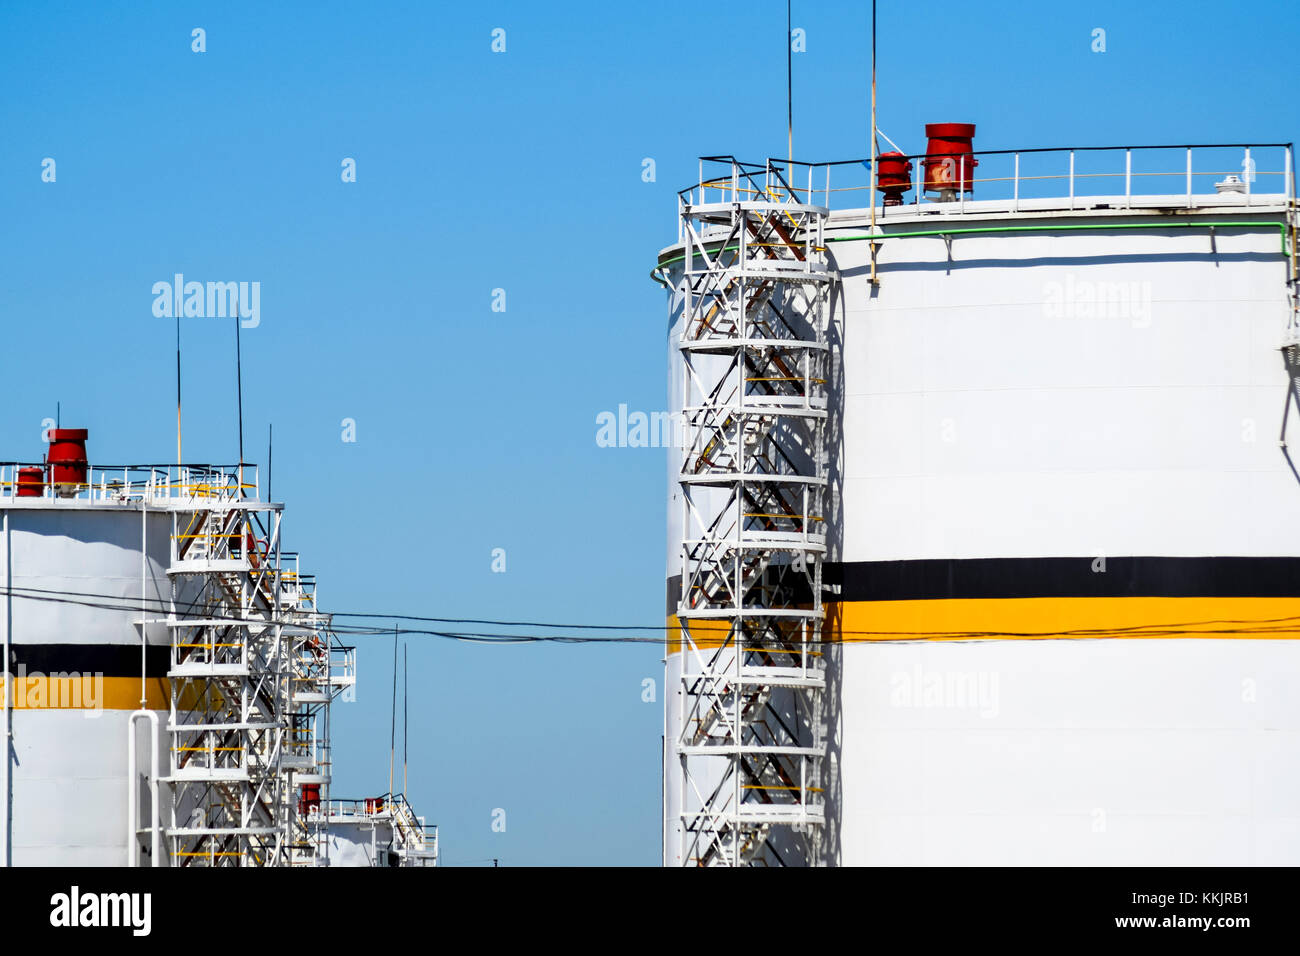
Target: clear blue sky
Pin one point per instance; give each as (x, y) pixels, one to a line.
(478, 170)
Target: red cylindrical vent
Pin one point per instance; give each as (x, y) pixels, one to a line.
(309, 798)
(893, 177)
(67, 460)
(374, 804)
(31, 482)
(949, 164)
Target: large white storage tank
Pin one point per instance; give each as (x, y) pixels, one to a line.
(1063, 581)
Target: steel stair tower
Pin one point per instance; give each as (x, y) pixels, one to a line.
(231, 675)
(320, 670)
(756, 293)
(254, 666)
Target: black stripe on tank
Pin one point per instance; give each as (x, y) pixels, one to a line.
(940, 578)
(934, 579)
(110, 660)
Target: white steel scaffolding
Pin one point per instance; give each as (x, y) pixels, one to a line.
(320, 670)
(253, 670)
(757, 288)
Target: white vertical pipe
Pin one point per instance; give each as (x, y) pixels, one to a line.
(144, 601)
(6, 839)
(1015, 194)
(803, 785)
(1071, 179)
(1189, 177)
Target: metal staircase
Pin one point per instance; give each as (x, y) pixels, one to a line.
(320, 670)
(252, 671)
(756, 289)
(230, 688)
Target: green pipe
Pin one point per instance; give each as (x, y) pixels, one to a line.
(1281, 227)
(1076, 227)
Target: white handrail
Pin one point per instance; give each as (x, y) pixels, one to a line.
(1015, 194)
(998, 168)
(1128, 179)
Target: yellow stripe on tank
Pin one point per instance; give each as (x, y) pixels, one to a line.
(1060, 617)
(85, 692)
(1049, 618)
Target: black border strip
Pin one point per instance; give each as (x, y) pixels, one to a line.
(937, 579)
(944, 578)
(109, 660)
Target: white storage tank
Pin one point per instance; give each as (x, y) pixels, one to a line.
(75, 674)
(1062, 587)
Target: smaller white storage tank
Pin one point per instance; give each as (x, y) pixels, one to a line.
(75, 673)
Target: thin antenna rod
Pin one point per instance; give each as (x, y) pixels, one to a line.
(178, 386)
(406, 673)
(239, 394)
(874, 245)
(392, 744)
(239, 388)
(789, 83)
(270, 434)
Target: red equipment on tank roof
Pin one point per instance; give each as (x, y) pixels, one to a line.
(67, 460)
(894, 177)
(949, 163)
(31, 482)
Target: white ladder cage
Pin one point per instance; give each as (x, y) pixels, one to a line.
(756, 290)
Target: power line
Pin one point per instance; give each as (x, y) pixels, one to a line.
(133, 604)
(1282, 625)
(164, 605)
(470, 620)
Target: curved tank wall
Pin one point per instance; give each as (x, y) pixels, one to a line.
(1066, 559)
(75, 676)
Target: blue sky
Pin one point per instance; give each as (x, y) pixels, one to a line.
(477, 171)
